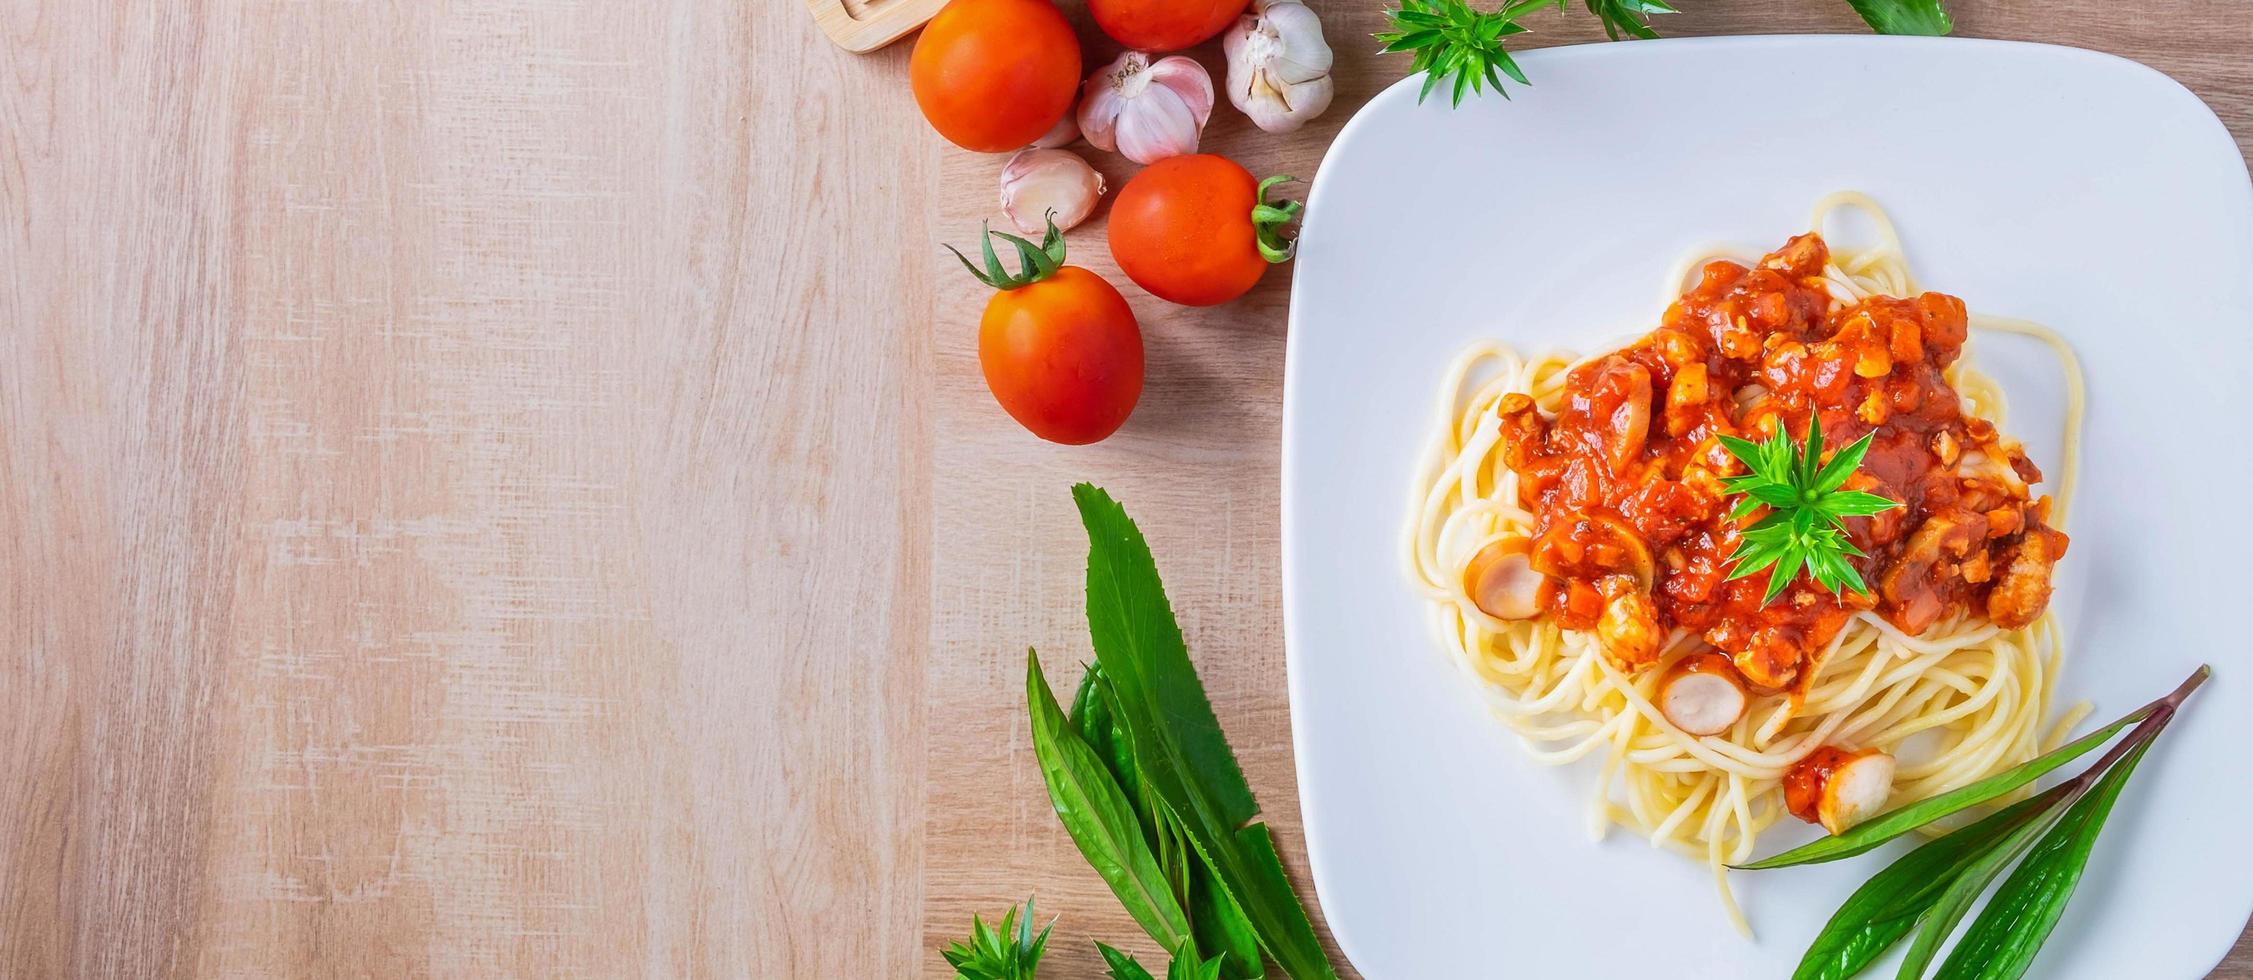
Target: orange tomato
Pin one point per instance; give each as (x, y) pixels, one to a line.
(994, 75)
(1183, 229)
(1164, 25)
(1063, 356)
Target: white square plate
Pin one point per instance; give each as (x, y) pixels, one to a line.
(2077, 189)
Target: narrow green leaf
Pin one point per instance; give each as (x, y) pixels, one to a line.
(1940, 920)
(1810, 459)
(1900, 820)
(1782, 459)
(1011, 952)
(1214, 914)
(1883, 910)
(1096, 814)
(1123, 967)
(1750, 559)
(1843, 464)
(1187, 966)
(1854, 503)
(1220, 926)
(1178, 745)
(1780, 578)
(2001, 943)
(1919, 17)
(1751, 454)
(1098, 725)
(1774, 494)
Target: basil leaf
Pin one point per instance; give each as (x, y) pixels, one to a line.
(2001, 943)
(1883, 910)
(1123, 967)
(1097, 815)
(1900, 820)
(1178, 744)
(1921, 17)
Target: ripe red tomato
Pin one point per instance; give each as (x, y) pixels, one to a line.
(1183, 229)
(1164, 25)
(1063, 356)
(994, 75)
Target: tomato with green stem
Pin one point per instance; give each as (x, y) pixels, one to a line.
(1059, 347)
(1198, 230)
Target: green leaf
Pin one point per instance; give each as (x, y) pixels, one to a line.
(1011, 952)
(1853, 503)
(2001, 943)
(1883, 910)
(1123, 967)
(1753, 455)
(1178, 745)
(1097, 723)
(1920, 17)
(1187, 966)
(1900, 820)
(1459, 48)
(1779, 579)
(1214, 915)
(1777, 495)
(1097, 815)
(1750, 558)
(1956, 897)
(1220, 926)
(1843, 464)
(1811, 459)
(1804, 529)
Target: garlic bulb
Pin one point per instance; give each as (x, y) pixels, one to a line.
(1039, 181)
(1278, 65)
(1146, 110)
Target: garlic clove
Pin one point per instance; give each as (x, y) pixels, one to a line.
(1278, 65)
(1038, 181)
(1066, 130)
(1147, 110)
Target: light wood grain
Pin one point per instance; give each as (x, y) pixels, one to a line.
(865, 25)
(430, 434)
(504, 489)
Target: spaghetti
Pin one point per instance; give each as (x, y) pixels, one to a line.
(1955, 700)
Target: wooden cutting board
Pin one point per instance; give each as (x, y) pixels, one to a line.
(865, 25)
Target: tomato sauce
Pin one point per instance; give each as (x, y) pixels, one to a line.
(1625, 478)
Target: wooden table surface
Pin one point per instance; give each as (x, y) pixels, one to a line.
(505, 489)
